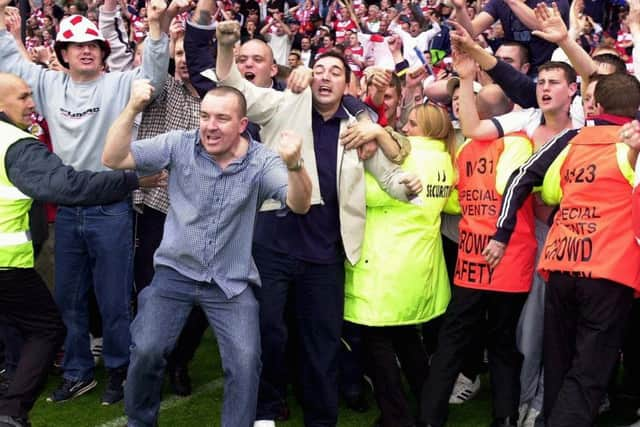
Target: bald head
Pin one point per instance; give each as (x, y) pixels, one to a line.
(256, 64)
(9, 82)
(16, 100)
(491, 101)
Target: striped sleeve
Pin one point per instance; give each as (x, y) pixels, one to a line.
(522, 181)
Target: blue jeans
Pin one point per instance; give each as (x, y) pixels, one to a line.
(163, 308)
(94, 247)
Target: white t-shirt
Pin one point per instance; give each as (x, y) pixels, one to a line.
(529, 119)
(280, 46)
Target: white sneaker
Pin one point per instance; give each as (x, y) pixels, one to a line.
(264, 423)
(96, 349)
(530, 419)
(464, 390)
(523, 410)
(605, 405)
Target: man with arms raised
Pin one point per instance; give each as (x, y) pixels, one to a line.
(205, 255)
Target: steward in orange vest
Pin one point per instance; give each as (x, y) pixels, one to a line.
(481, 293)
(483, 169)
(590, 255)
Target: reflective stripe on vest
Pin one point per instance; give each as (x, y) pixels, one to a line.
(13, 239)
(11, 193)
(480, 202)
(17, 248)
(592, 234)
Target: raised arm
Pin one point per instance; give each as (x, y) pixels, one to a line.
(117, 148)
(199, 46)
(472, 126)
(554, 30)
(481, 22)
(14, 26)
(262, 103)
(524, 13)
(519, 87)
(155, 56)
(114, 31)
(12, 61)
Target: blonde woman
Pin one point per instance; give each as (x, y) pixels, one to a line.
(401, 279)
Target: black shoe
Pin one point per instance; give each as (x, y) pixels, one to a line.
(357, 402)
(114, 392)
(180, 381)
(9, 421)
(5, 379)
(505, 422)
(70, 389)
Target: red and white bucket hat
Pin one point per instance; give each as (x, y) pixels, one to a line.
(78, 29)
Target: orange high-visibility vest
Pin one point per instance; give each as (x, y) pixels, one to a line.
(480, 202)
(592, 235)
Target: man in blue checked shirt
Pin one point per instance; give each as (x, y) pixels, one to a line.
(218, 179)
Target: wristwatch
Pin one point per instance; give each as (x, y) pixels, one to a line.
(297, 166)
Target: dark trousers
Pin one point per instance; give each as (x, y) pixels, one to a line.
(149, 229)
(27, 305)
(467, 308)
(352, 355)
(631, 352)
(318, 305)
(10, 344)
(382, 345)
(584, 322)
(474, 355)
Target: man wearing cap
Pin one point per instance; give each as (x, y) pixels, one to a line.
(29, 171)
(94, 244)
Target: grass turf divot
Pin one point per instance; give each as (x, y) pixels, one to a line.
(173, 401)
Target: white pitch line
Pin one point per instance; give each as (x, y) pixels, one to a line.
(173, 401)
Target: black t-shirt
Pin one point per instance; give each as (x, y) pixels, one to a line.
(514, 30)
(314, 237)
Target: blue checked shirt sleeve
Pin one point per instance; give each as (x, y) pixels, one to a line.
(154, 154)
(273, 184)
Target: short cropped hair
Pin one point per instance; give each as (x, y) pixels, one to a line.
(618, 94)
(569, 72)
(231, 91)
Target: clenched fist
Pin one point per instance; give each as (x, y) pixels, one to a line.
(141, 92)
(228, 33)
(290, 148)
(155, 9)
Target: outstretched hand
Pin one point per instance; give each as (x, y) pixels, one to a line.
(460, 37)
(552, 27)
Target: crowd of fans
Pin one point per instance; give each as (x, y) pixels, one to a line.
(453, 194)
